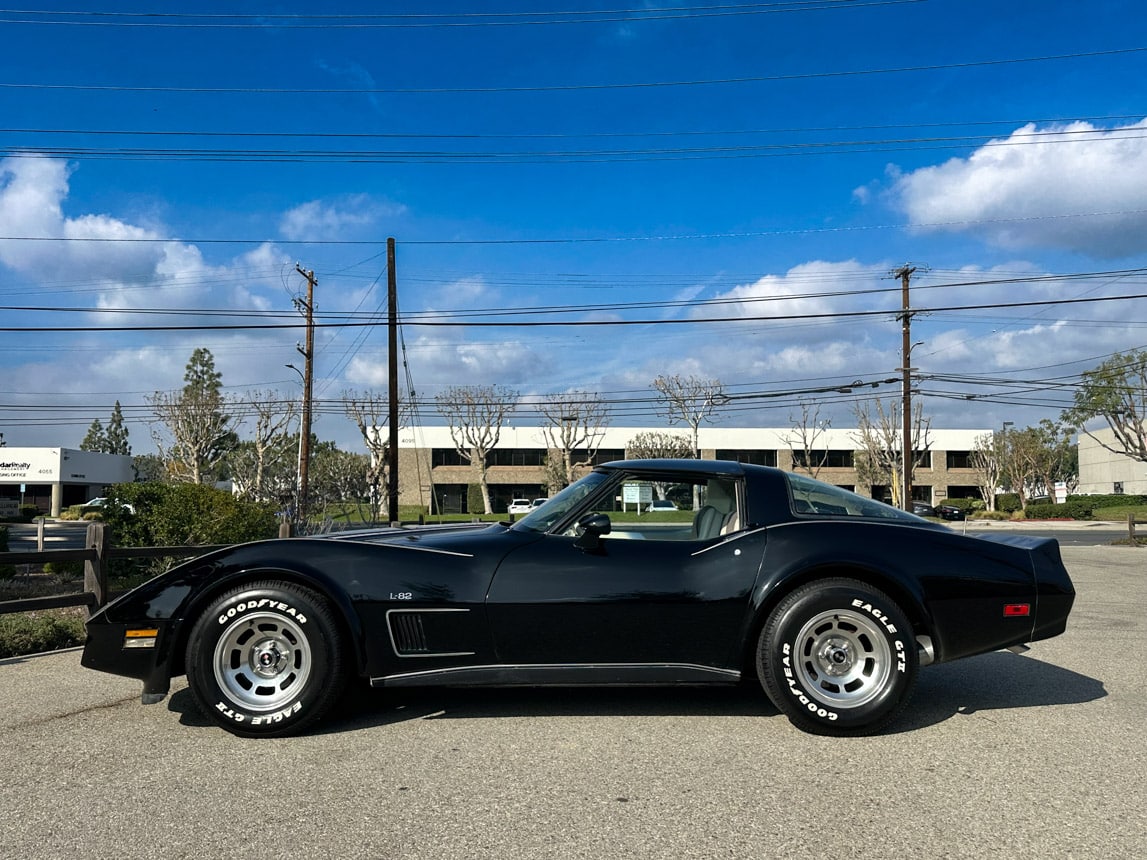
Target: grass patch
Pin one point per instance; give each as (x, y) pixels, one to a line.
(33, 632)
(1119, 514)
(46, 630)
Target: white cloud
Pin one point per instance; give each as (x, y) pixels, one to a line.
(32, 191)
(1023, 190)
(336, 219)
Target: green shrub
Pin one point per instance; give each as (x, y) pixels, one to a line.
(29, 512)
(33, 632)
(1073, 510)
(992, 515)
(64, 569)
(179, 515)
(1110, 501)
(474, 502)
(7, 571)
(1009, 503)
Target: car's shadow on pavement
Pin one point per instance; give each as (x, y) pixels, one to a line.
(993, 682)
(996, 681)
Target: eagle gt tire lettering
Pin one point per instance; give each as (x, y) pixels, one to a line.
(266, 659)
(838, 657)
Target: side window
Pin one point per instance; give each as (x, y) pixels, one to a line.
(649, 508)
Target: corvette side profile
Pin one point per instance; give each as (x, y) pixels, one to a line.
(832, 601)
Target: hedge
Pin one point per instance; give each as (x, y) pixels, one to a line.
(1109, 501)
(1073, 509)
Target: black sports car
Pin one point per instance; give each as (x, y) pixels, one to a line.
(833, 601)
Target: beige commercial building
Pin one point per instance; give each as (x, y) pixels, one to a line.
(432, 474)
(1102, 471)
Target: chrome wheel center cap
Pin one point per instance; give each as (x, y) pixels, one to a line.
(836, 657)
(268, 659)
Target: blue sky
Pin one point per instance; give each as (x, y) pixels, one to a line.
(779, 158)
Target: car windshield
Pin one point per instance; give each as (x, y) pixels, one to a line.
(813, 497)
(543, 517)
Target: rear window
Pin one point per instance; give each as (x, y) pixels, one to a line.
(814, 498)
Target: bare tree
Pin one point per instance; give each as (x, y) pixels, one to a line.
(266, 465)
(690, 400)
(987, 459)
(576, 426)
(808, 432)
(339, 477)
(881, 449)
(476, 414)
(658, 444)
(196, 420)
(370, 411)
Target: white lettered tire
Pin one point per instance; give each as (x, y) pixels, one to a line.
(838, 657)
(266, 659)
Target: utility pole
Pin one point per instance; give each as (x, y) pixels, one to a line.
(905, 274)
(392, 382)
(308, 353)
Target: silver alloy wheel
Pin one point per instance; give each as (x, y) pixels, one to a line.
(262, 661)
(842, 658)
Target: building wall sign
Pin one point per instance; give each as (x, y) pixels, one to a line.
(56, 465)
(30, 465)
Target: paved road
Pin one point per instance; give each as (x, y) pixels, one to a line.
(1040, 756)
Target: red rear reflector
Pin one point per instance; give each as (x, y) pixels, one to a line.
(1017, 610)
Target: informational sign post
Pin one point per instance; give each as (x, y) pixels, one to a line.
(636, 494)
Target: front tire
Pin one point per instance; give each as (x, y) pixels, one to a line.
(266, 659)
(838, 657)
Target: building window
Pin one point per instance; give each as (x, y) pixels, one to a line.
(956, 491)
(516, 457)
(755, 457)
(602, 455)
(446, 457)
(822, 459)
(960, 460)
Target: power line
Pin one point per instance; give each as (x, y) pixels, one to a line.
(552, 88)
(410, 20)
(469, 323)
(585, 240)
(644, 154)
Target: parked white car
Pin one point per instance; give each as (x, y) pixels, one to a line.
(519, 506)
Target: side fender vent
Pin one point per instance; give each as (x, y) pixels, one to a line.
(409, 635)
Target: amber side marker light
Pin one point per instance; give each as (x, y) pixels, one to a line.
(1017, 610)
(142, 638)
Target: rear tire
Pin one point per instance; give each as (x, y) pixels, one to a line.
(838, 657)
(266, 659)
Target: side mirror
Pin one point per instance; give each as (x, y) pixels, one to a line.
(593, 526)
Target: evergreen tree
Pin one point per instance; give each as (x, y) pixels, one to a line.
(116, 437)
(96, 439)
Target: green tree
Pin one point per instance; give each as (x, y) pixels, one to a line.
(1115, 391)
(110, 440)
(96, 438)
(116, 436)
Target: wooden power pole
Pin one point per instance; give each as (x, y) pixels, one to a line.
(392, 382)
(308, 353)
(906, 454)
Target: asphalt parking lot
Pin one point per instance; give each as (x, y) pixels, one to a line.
(1041, 755)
